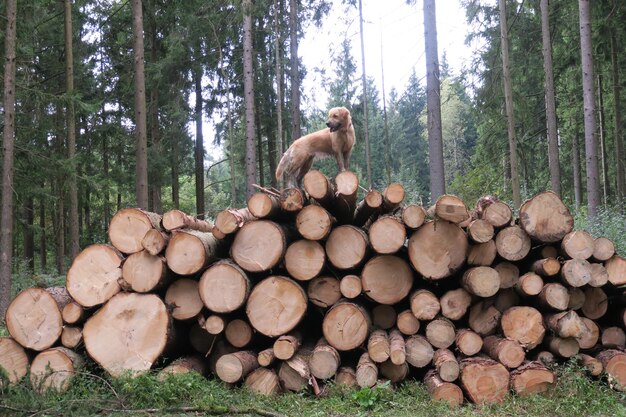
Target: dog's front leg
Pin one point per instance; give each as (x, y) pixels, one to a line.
(340, 161)
(346, 159)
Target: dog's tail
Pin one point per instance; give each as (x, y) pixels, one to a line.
(283, 164)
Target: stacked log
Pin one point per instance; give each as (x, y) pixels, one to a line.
(306, 286)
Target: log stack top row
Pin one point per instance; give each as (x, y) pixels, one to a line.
(308, 285)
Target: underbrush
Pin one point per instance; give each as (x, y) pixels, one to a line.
(575, 394)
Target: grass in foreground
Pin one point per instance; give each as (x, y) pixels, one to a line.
(574, 395)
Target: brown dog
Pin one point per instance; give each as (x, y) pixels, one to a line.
(337, 140)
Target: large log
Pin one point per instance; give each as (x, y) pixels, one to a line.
(524, 325)
(497, 213)
(603, 249)
(512, 243)
(190, 251)
(451, 208)
(183, 299)
(482, 254)
(577, 245)
(532, 378)
(387, 235)
(128, 334)
(324, 291)
(33, 319)
(440, 390)
(484, 380)
(318, 187)
(13, 361)
(314, 222)
(145, 272)
(506, 351)
(368, 207)
(93, 277)
(454, 303)
(555, 296)
(438, 249)
(231, 220)
(176, 219)
(480, 231)
(324, 361)
(614, 363)
(259, 246)
(616, 268)
(576, 272)
(424, 304)
(366, 371)
(566, 324)
(347, 246)
(264, 206)
(387, 279)
(545, 218)
(276, 305)
(468, 342)
(419, 351)
(128, 227)
(482, 281)
(305, 259)
(346, 325)
(440, 333)
(263, 381)
(393, 196)
(224, 287)
(235, 366)
(344, 204)
(53, 369)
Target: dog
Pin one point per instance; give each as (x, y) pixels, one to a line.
(336, 140)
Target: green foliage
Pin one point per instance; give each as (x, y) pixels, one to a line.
(368, 397)
(610, 223)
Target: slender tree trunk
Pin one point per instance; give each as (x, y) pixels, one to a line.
(591, 141)
(603, 163)
(553, 141)
(576, 170)
(508, 99)
(279, 86)
(386, 131)
(43, 247)
(248, 86)
(60, 228)
(105, 173)
(294, 74)
(6, 223)
(199, 148)
(175, 183)
(368, 163)
(433, 99)
(617, 112)
(72, 188)
(155, 133)
(259, 151)
(141, 136)
(29, 236)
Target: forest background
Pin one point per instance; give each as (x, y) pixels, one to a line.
(81, 146)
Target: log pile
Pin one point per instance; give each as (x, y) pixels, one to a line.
(303, 287)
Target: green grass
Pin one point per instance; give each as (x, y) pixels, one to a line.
(575, 394)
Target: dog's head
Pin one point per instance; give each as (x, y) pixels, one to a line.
(338, 117)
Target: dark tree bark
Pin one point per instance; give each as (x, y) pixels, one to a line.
(591, 141)
(553, 146)
(368, 163)
(433, 99)
(576, 170)
(601, 119)
(43, 247)
(508, 99)
(617, 114)
(141, 136)
(278, 148)
(155, 133)
(72, 188)
(294, 73)
(199, 146)
(29, 236)
(248, 86)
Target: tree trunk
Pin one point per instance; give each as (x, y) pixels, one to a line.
(435, 141)
(484, 380)
(279, 85)
(553, 145)
(387, 279)
(508, 100)
(8, 143)
(576, 171)
(53, 370)
(141, 135)
(199, 145)
(43, 246)
(365, 98)
(545, 218)
(438, 252)
(189, 251)
(145, 272)
(617, 114)
(251, 177)
(346, 325)
(591, 141)
(129, 226)
(29, 236)
(259, 246)
(294, 73)
(602, 144)
(176, 219)
(264, 206)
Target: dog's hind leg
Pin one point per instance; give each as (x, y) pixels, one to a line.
(306, 167)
